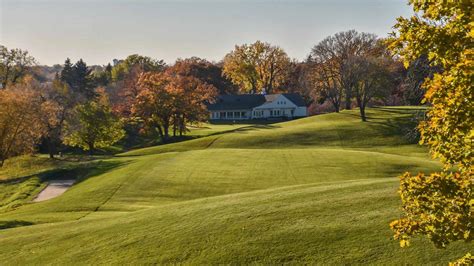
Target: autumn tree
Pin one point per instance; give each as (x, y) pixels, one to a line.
(93, 125)
(20, 127)
(412, 91)
(205, 71)
(333, 77)
(189, 96)
(168, 99)
(124, 77)
(256, 66)
(440, 205)
(298, 80)
(325, 82)
(374, 75)
(14, 64)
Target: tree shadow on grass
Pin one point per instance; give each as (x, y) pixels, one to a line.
(81, 172)
(77, 172)
(13, 224)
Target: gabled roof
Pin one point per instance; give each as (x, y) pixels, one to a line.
(295, 98)
(237, 102)
(271, 97)
(250, 101)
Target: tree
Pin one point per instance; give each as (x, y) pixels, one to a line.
(205, 71)
(79, 78)
(154, 104)
(298, 80)
(20, 128)
(124, 76)
(440, 205)
(67, 73)
(83, 80)
(145, 63)
(57, 103)
(374, 76)
(412, 91)
(256, 66)
(325, 82)
(14, 64)
(189, 97)
(93, 125)
(169, 99)
(333, 77)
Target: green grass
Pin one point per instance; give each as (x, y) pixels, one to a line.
(315, 190)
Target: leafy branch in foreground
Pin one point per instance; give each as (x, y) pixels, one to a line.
(440, 206)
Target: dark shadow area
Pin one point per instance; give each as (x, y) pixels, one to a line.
(254, 127)
(247, 122)
(13, 224)
(185, 138)
(400, 110)
(80, 172)
(77, 172)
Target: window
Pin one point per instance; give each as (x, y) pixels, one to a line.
(230, 114)
(237, 114)
(223, 115)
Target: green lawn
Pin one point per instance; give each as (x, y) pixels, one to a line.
(314, 190)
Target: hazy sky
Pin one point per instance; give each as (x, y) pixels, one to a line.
(101, 30)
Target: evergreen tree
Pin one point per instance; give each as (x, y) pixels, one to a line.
(67, 73)
(108, 68)
(83, 81)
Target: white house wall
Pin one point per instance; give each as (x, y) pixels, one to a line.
(301, 111)
(217, 115)
(281, 102)
(282, 105)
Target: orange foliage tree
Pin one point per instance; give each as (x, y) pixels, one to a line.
(167, 99)
(20, 124)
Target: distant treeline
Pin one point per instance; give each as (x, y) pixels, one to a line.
(139, 97)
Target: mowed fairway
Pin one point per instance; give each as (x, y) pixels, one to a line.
(316, 190)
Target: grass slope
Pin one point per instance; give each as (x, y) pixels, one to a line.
(314, 190)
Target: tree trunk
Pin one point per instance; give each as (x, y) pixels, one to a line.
(174, 128)
(2, 160)
(336, 106)
(166, 132)
(362, 112)
(51, 147)
(91, 149)
(348, 100)
(182, 125)
(160, 131)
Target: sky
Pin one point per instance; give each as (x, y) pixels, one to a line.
(99, 31)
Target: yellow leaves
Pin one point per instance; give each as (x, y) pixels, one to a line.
(404, 243)
(467, 260)
(440, 205)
